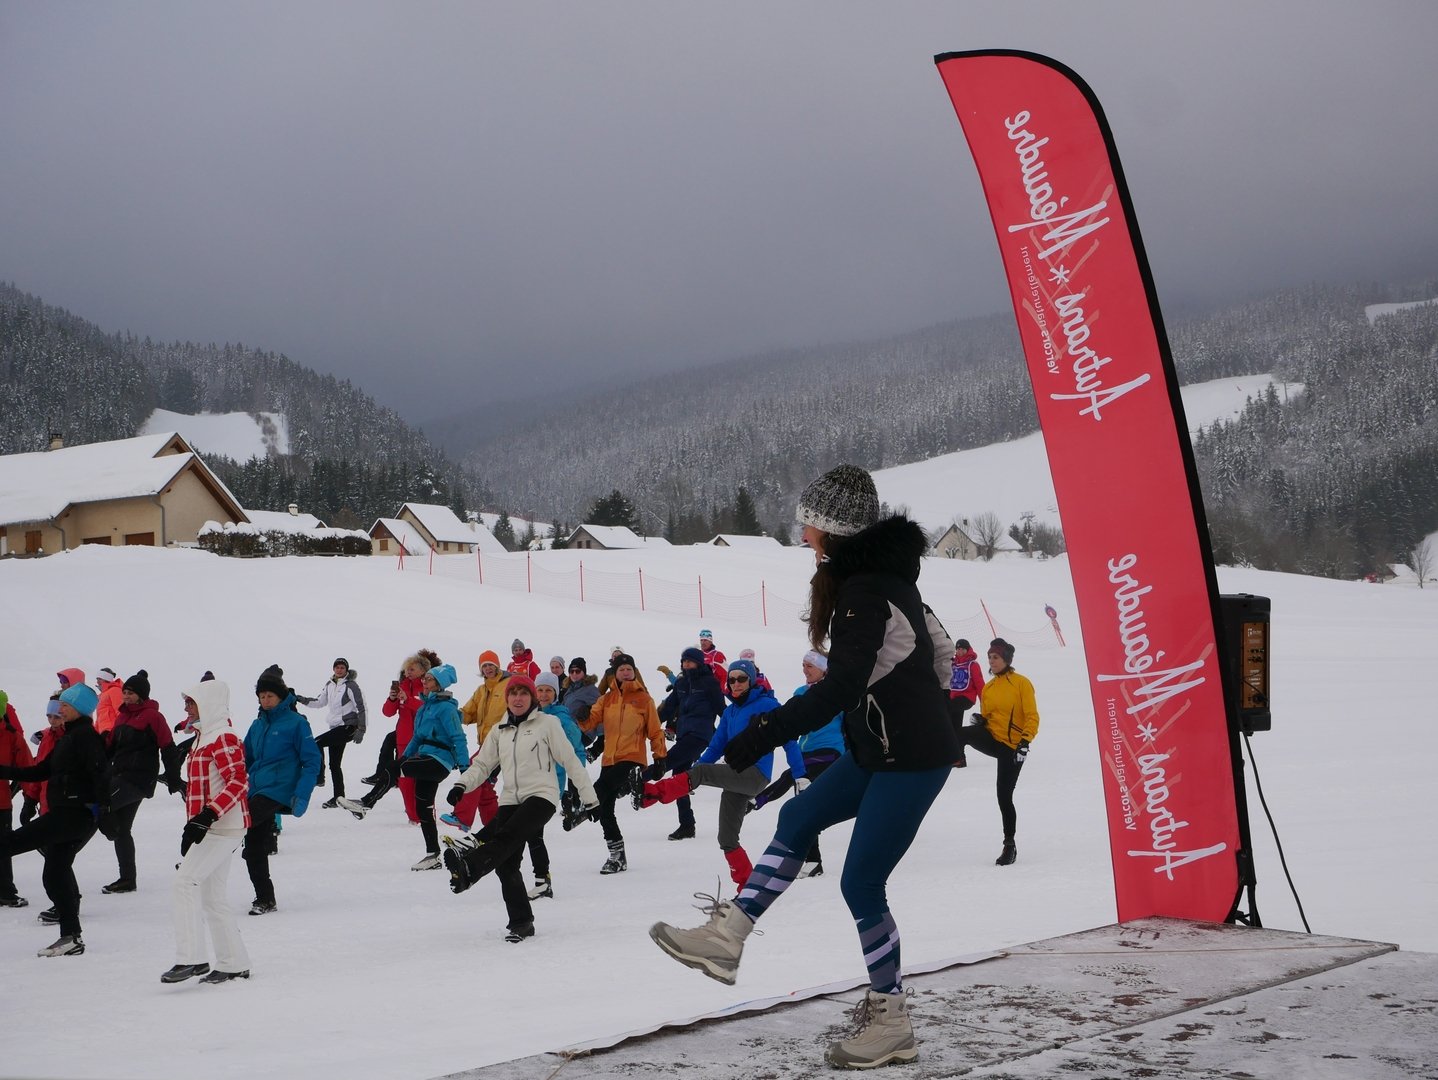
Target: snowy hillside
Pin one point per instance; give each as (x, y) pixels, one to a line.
(235, 435)
(1012, 478)
(371, 971)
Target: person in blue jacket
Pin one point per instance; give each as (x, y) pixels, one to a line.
(749, 700)
(690, 709)
(819, 749)
(437, 749)
(283, 764)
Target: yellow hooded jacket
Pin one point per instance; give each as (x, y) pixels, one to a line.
(485, 706)
(1007, 704)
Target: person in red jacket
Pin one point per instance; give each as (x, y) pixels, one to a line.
(13, 751)
(712, 656)
(36, 791)
(406, 694)
(522, 661)
(965, 684)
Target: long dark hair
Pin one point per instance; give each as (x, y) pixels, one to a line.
(823, 594)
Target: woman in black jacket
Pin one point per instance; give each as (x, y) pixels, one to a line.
(76, 772)
(888, 666)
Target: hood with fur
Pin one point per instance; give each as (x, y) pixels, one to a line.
(892, 546)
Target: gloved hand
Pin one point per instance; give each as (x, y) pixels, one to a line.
(655, 771)
(976, 719)
(800, 784)
(28, 811)
(36, 736)
(454, 795)
(744, 750)
(667, 673)
(1022, 753)
(197, 827)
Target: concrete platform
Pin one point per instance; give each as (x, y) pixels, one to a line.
(1152, 998)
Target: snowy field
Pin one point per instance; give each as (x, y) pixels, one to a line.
(370, 970)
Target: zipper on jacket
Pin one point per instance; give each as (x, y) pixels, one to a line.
(883, 732)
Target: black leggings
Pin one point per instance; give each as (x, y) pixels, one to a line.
(335, 739)
(427, 774)
(58, 835)
(123, 821)
(615, 782)
(259, 838)
(503, 844)
(977, 736)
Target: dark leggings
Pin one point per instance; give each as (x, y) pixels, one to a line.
(977, 736)
(58, 835)
(427, 773)
(259, 838)
(614, 783)
(123, 822)
(503, 841)
(335, 740)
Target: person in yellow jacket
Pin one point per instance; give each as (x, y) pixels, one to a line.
(629, 717)
(484, 709)
(1006, 722)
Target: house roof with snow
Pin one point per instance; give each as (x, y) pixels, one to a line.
(404, 534)
(41, 486)
(283, 521)
(748, 543)
(615, 537)
(443, 526)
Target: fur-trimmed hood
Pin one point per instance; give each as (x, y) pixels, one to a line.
(891, 546)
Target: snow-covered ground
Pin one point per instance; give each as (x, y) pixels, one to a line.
(370, 970)
(1012, 478)
(236, 435)
(1377, 311)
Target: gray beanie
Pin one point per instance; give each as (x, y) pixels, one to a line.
(842, 502)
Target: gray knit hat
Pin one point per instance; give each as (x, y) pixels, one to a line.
(841, 502)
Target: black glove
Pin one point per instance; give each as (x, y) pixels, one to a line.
(744, 750)
(28, 811)
(456, 793)
(1022, 753)
(196, 828)
(655, 771)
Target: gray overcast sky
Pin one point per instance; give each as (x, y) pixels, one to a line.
(447, 200)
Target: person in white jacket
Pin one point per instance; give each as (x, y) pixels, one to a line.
(526, 746)
(219, 813)
(345, 721)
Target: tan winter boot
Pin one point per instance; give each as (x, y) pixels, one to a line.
(714, 948)
(883, 1034)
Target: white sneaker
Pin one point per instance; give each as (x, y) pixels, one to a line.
(714, 948)
(542, 887)
(429, 862)
(69, 945)
(354, 806)
(883, 1034)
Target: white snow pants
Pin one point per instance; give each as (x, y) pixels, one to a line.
(202, 889)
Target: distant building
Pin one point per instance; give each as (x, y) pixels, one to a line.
(611, 538)
(390, 536)
(747, 543)
(286, 521)
(441, 529)
(955, 543)
(152, 490)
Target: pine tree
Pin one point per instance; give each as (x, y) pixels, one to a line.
(746, 518)
(613, 509)
(504, 531)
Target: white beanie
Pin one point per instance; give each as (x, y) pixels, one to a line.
(818, 659)
(549, 679)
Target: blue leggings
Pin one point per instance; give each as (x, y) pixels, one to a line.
(887, 809)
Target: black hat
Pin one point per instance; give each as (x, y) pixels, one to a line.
(139, 684)
(272, 679)
(622, 659)
(341, 660)
(578, 662)
(842, 502)
(208, 676)
(962, 643)
(1003, 648)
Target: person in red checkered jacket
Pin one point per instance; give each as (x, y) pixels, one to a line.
(217, 803)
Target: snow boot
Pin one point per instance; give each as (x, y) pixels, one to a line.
(69, 945)
(883, 1034)
(616, 863)
(684, 832)
(739, 866)
(457, 860)
(181, 972)
(543, 886)
(1008, 856)
(430, 862)
(714, 948)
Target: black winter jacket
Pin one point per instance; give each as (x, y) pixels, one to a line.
(75, 768)
(882, 669)
(694, 703)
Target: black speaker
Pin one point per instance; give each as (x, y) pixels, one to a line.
(1245, 652)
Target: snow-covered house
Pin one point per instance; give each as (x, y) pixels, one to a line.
(285, 521)
(390, 536)
(441, 529)
(955, 543)
(150, 490)
(747, 543)
(611, 538)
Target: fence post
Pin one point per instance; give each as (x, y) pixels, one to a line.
(988, 616)
(401, 556)
(1054, 622)
(431, 560)
(581, 581)
(641, 588)
(701, 597)
(763, 602)
(528, 572)
(479, 562)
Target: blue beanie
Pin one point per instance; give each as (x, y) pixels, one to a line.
(693, 653)
(444, 675)
(81, 698)
(748, 668)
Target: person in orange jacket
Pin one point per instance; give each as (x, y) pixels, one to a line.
(484, 709)
(112, 690)
(630, 718)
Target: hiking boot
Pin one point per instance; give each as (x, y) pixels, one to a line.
(616, 863)
(330, 804)
(224, 976)
(69, 945)
(1008, 856)
(883, 1034)
(684, 832)
(461, 873)
(429, 862)
(714, 948)
(543, 886)
(354, 806)
(181, 972)
(120, 885)
(520, 932)
(453, 822)
(262, 907)
(14, 901)
(50, 917)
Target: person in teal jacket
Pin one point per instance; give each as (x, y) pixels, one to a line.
(283, 764)
(437, 748)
